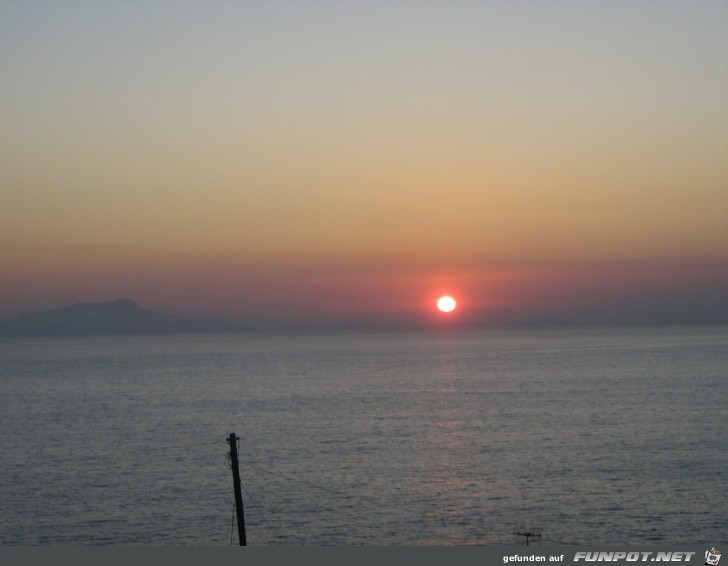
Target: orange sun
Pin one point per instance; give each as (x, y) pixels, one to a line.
(446, 304)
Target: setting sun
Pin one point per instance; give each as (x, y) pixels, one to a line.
(446, 304)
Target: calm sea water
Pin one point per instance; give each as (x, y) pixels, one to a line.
(587, 437)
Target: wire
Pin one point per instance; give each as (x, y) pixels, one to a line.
(260, 512)
(298, 480)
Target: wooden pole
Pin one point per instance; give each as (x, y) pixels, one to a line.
(233, 441)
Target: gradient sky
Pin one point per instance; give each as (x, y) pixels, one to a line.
(322, 163)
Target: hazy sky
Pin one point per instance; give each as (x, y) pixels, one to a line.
(309, 162)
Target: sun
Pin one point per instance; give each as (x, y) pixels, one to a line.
(446, 304)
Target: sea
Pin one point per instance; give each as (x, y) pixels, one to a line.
(440, 438)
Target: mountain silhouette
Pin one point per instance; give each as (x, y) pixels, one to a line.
(118, 317)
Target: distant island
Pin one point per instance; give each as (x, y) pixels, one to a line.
(118, 317)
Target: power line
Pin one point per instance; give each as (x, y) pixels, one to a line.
(304, 482)
(260, 512)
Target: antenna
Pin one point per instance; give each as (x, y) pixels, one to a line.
(529, 534)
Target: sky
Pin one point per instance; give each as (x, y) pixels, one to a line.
(306, 164)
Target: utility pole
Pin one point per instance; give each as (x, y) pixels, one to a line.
(233, 442)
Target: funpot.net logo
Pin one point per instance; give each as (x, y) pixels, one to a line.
(625, 556)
